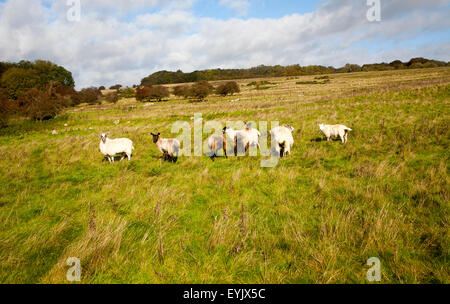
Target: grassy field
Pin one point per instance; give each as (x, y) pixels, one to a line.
(315, 218)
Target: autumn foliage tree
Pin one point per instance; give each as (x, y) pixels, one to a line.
(228, 88)
(5, 107)
(182, 91)
(147, 93)
(201, 90)
(40, 104)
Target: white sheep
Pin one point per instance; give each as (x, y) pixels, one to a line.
(169, 147)
(282, 140)
(111, 147)
(243, 139)
(334, 131)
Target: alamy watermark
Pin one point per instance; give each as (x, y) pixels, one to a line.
(374, 272)
(374, 12)
(74, 272)
(74, 11)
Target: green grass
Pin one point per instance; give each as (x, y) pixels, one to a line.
(315, 218)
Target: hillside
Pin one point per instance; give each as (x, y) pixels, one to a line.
(315, 218)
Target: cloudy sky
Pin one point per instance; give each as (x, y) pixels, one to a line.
(122, 41)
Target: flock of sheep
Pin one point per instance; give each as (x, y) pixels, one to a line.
(241, 141)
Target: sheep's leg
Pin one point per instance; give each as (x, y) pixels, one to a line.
(342, 138)
(112, 159)
(123, 156)
(129, 156)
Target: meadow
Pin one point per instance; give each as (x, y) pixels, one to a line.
(316, 217)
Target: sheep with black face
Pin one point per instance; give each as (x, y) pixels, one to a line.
(169, 147)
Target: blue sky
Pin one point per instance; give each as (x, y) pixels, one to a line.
(122, 41)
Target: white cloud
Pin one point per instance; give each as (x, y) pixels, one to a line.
(109, 48)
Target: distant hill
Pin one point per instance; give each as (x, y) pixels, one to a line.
(167, 77)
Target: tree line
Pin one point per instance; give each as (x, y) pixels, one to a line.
(167, 77)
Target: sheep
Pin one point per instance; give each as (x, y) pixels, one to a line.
(111, 147)
(215, 143)
(245, 138)
(334, 131)
(170, 148)
(282, 140)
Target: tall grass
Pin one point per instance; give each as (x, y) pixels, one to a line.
(315, 218)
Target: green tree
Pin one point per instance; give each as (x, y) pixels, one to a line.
(17, 81)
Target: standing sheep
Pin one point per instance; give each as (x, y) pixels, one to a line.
(215, 143)
(111, 147)
(282, 140)
(334, 131)
(243, 139)
(168, 147)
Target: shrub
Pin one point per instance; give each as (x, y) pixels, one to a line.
(182, 91)
(201, 90)
(230, 87)
(5, 107)
(115, 87)
(40, 105)
(159, 92)
(90, 96)
(152, 93)
(112, 97)
(102, 88)
(127, 93)
(17, 81)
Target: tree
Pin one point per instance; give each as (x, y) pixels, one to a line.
(5, 107)
(201, 90)
(90, 96)
(182, 91)
(230, 87)
(159, 92)
(152, 93)
(102, 88)
(112, 97)
(40, 105)
(115, 87)
(17, 81)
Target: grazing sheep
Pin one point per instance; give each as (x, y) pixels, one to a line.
(334, 131)
(282, 140)
(168, 147)
(111, 147)
(243, 139)
(215, 143)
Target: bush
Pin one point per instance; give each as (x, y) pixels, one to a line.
(182, 91)
(5, 107)
(201, 90)
(102, 88)
(90, 96)
(40, 105)
(142, 93)
(112, 97)
(17, 81)
(115, 87)
(230, 87)
(152, 93)
(127, 93)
